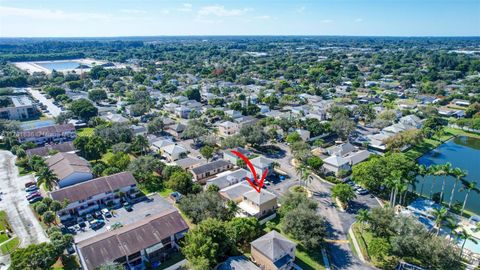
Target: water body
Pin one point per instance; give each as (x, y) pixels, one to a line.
(463, 152)
(59, 65)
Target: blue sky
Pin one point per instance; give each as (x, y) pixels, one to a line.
(95, 18)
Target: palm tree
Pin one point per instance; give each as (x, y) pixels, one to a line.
(468, 186)
(363, 216)
(464, 235)
(445, 170)
(394, 181)
(47, 177)
(459, 174)
(453, 226)
(422, 171)
(303, 174)
(440, 216)
(432, 170)
(141, 144)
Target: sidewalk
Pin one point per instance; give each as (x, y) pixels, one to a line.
(355, 244)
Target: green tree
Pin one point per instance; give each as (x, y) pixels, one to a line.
(83, 109)
(155, 126)
(344, 193)
(54, 91)
(293, 137)
(469, 187)
(181, 182)
(119, 160)
(47, 177)
(48, 217)
(207, 152)
(342, 125)
(292, 201)
(41, 256)
(315, 163)
(207, 244)
(464, 235)
(96, 95)
(195, 129)
(379, 248)
(243, 231)
(193, 94)
(204, 205)
(306, 226)
(459, 174)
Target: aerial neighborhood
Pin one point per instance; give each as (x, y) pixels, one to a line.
(240, 153)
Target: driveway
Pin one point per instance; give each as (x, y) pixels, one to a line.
(53, 109)
(339, 223)
(20, 216)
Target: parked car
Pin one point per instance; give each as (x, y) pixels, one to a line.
(81, 222)
(33, 195)
(31, 188)
(89, 217)
(96, 224)
(35, 199)
(98, 214)
(106, 213)
(127, 206)
(361, 191)
(70, 249)
(28, 184)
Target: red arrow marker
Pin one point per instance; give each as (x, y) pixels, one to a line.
(257, 185)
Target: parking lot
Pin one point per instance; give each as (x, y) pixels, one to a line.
(153, 206)
(14, 203)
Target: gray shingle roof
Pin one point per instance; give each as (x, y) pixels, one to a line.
(273, 245)
(210, 166)
(260, 197)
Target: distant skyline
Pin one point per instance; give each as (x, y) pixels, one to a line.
(111, 18)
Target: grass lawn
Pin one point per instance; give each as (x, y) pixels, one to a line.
(3, 237)
(175, 258)
(362, 239)
(66, 263)
(4, 221)
(85, 132)
(9, 246)
(165, 192)
(430, 144)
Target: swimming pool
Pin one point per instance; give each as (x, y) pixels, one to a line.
(59, 65)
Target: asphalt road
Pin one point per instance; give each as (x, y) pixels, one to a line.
(339, 222)
(53, 109)
(13, 201)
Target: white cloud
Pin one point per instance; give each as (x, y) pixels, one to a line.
(359, 20)
(186, 7)
(326, 21)
(221, 11)
(133, 11)
(301, 9)
(50, 14)
(263, 17)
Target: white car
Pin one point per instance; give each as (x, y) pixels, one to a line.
(106, 213)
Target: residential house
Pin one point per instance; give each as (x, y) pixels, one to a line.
(460, 102)
(173, 152)
(189, 163)
(138, 130)
(115, 118)
(260, 164)
(238, 263)
(183, 112)
(158, 144)
(228, 128)
(304, 134)
(273, 251)
(43, 151)
(235, 192)
(233, 114)
(336, 164)
(94, 194)
(132, 246)
(246, 121)
(176, 130)
(50, 134)
(258, 204)
(229, 156)
(18, 108)
(202, 172)
(229, 178)
(70, 169)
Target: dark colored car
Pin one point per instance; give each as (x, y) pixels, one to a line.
(127, 206)
(35, 199)
(33, 195)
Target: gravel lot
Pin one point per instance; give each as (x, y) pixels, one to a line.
(13, 201)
